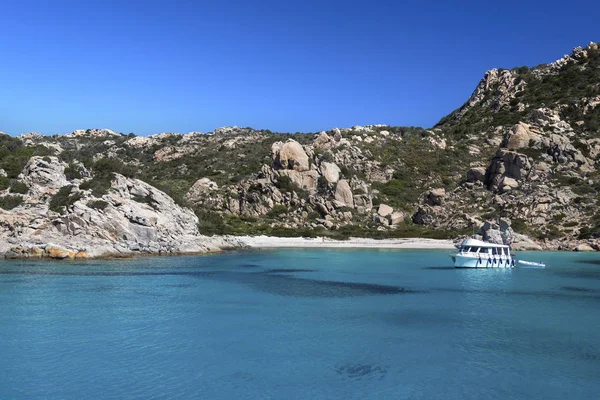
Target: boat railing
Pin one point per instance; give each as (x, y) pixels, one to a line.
(482, 255)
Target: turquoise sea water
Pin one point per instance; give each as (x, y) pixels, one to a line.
(300, 324)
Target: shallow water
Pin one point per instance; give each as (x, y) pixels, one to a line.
(299, 324)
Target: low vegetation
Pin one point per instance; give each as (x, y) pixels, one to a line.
(98, 185)
(64, 198)
(19, 187)
(10, 202)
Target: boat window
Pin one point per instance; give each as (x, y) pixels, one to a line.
(495, 251)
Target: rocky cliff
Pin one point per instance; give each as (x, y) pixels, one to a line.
(58, 217)
(523, 148)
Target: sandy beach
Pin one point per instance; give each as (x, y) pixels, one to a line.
(284, 242)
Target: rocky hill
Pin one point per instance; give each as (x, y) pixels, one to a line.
(523, 148)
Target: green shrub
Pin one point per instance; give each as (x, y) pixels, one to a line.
(327, 157)
(285, 183)
(400, 191)
(589, 232)
(322, 185)
(71, 172)
(146, 200)
(4, 183)
(97, 204)
(14, 155)
(277, 211)
(99, 185)
(533, 154)
(519, 226)
(210, 222)
(10, 202)
(19, 187)
(63, 199)
(105, 167)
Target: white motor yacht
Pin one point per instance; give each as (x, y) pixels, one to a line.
(474, 253)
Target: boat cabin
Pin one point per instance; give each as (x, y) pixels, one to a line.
(482, 249)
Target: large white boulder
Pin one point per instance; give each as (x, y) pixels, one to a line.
(199, 188)
(519, 137)
(330, 171)
(289, 155)
(343, 193)
(384, 210)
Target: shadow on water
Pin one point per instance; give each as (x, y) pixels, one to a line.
(440, 268)
(286, 285)
(282, 270)
(428, 319)
(583, 274)
(272, 281)
(251, 266)
(542, 345)
(361, 371)
(593, 262)
(14, 281)
(540, 293)
(579, 289)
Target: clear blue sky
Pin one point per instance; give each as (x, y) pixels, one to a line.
(176, 66)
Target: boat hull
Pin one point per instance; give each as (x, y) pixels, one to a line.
(461, 261)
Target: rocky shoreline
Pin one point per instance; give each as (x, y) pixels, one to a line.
(53, 251)
(217, 244)
(61, 219)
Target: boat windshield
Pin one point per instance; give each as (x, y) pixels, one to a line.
(494, 251)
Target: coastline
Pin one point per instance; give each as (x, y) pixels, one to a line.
(208, 245)
(358, 243)
(64, 250)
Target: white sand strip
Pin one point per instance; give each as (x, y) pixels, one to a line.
(284, 242)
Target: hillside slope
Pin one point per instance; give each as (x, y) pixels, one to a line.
(524, 147)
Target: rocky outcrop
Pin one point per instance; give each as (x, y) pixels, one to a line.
(384, 210)
(476, 174)
(503, 84)
(289, 155)
(133, 217)
(324, 141)
(499, 233)
(343, 193)
(92, 133)
(583, 247)
(44, 172)
(506, 168)
(519, 137)
(330, 171)
(201, 187)
(435, 197)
